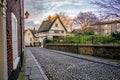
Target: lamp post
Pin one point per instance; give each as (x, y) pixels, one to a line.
(22, 54)
(22, 51)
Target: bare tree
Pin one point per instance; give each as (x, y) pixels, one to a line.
(108, 8)
(85, 19)
(66, 20)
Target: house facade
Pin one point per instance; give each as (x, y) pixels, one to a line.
(51, 29)
(3, 42)
(106, 27)
(30, 38)
(11, 40)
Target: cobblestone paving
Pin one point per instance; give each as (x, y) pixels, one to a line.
(63, 67)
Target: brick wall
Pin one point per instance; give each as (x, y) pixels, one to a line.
(12, 7)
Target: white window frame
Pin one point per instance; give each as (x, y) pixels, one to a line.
(105, 31)
(14, 41)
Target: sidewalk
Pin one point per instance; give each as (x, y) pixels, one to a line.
(33, 71)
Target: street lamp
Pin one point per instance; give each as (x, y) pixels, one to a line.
(22, 52)
(26, 15)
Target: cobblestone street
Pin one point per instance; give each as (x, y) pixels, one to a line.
(63, 66)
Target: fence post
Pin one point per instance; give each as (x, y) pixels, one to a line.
(92, 39)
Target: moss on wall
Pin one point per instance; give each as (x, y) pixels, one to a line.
(105, 51)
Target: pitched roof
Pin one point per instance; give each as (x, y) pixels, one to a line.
(107, 22)
(46, 25)
(32, 31)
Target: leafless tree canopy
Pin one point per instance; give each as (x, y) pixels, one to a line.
(109, 7)
(67, 21)
(86, 18)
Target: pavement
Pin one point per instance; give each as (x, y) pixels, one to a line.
(33, 70)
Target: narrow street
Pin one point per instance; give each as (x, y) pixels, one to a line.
(62, 66)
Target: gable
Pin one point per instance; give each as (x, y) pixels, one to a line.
(28, 34)
(50, 24)
(57, 25)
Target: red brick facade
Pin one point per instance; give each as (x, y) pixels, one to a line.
(13, 6)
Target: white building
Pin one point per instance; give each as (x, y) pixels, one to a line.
(30, 38)
(51, 29)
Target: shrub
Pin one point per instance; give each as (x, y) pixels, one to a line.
(116, 35)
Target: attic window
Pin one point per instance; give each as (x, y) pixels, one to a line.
(56, 25)
(28, 33)
(62, 31)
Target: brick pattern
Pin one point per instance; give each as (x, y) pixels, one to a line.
(12, 7)
(9, 43)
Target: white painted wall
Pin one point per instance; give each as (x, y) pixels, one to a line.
(28, 38)
(60, 28)
(3, 42)
(49, 34)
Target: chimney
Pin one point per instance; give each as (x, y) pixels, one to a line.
(49, 17)
(34, 28)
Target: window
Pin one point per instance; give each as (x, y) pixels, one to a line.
(106, 31)
(28, 33)
(30, 39)
(14, 41)
(62, 31)
(106, 25)
(56, 25)
(56, 31)
(118, 25)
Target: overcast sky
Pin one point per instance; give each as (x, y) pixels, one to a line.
(40, 9)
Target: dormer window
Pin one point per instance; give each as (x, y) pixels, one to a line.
(56, 25)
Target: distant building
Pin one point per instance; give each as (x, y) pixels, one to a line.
(11, 40)
(51, 29)
(30, 38)
(106, 27)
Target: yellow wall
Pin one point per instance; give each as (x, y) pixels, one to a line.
(3, 45)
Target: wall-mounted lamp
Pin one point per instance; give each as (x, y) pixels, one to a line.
(26, 15)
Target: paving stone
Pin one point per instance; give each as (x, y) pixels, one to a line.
(36, 76)
(27, 71)
(35, 71)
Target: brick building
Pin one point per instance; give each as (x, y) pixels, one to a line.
(11, 40)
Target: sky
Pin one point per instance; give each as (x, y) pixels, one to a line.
(39, 10)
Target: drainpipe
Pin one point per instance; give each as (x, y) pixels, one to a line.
(22, 54)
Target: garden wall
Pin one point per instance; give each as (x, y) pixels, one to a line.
(106, 51)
